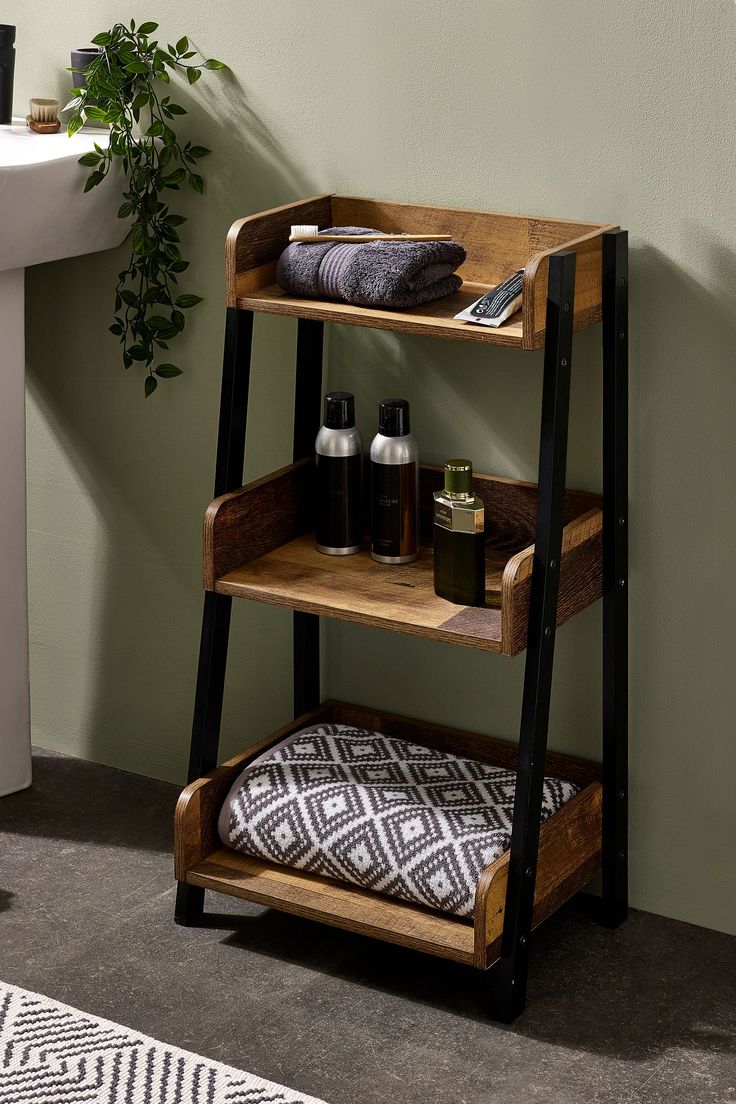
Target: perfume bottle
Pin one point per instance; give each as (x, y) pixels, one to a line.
(394, 486)
(459, 538)
(339, 460)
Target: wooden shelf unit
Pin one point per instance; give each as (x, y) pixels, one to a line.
(496, 246)
(258, 544)
(551, 552)
(569, 849)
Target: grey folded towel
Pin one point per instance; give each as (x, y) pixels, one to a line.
(371, 274)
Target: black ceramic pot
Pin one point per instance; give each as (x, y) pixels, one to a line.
(80, 58)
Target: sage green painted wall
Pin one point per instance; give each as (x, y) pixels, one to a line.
(622, 112)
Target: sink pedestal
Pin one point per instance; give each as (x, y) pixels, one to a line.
(15, 747)
(44, 216)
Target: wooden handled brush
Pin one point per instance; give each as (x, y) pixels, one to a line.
(312, 234)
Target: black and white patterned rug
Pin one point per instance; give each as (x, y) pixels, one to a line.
(53, 1054)
(383, 813)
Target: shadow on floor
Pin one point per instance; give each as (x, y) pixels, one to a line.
(653, 986)
(75, 800)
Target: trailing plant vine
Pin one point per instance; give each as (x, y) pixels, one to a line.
(125, 87)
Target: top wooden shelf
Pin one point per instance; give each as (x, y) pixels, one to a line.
(496, 246)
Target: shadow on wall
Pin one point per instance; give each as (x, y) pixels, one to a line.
(118, 484)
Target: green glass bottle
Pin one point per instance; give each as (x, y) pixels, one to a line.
(459, 538)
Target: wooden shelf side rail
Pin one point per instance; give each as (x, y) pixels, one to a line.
(496, 245)
(257, 544)
(570, 849)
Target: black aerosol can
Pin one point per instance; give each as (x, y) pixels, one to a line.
(394, 486)
(7, 69)
(339, 459)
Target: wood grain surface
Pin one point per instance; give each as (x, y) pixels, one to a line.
(258, 544)
(569, 848)
(569, 856)
(496, 245)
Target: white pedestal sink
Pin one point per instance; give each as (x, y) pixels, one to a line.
(43, 217)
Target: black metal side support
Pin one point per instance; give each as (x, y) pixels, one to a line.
(615, 576)
(307, 417)
(216, 615)
(509, 994)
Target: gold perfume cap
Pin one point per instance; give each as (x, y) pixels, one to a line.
(459, 477)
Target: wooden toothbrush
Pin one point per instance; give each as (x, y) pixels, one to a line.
(312, 234)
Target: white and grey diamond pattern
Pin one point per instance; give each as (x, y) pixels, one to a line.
(387, 814)
(51, 1053)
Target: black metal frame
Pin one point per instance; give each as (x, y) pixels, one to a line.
(510, 974)
(509, 993)
(615, 577)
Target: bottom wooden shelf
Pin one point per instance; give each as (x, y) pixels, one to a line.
(569, 850)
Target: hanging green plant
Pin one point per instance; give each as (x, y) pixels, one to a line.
(123, 88)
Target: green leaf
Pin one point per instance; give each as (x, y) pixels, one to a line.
(185, 301)
(116, 329)
(158, 322)
(175, 220)
(141, 100)
(75, 122)
(136, 67)
(166, 334)
(156, 129)
(182, 45)
(73, 104)
(196, 182)
(175, 109)
(96, 113)
(125, 210)
(178, 319)
(93, 180)
(103, 39)
(128, 297)
(168, 371)
(150, 385)
(193, 74)
(173, 178)
(147, 28)
(199, 151)
(138, 352)
(90, 158)
(179, 266)
(212, 63)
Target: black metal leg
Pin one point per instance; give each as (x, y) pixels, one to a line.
(307, 411)
(217, 607)
(511, 974)
(615, 576)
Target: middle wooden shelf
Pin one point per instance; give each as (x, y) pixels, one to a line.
(258, 544)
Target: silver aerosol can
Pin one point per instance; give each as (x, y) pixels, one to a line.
(339, 496)
(394, 486)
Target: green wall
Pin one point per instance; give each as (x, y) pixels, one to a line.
(590, 110)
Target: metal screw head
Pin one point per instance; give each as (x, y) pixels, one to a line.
(621, 334)
(563, 362)
(522, 941)
(622, 582)
(548, 631)
(622, 854)
(621, 794)
(528, 872)
(622, 282)
(553, 564)
(622, 522)
(566, 308)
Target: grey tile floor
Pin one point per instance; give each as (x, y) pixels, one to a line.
(645, 1014)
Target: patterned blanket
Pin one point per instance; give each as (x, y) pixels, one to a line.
(383, 813)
